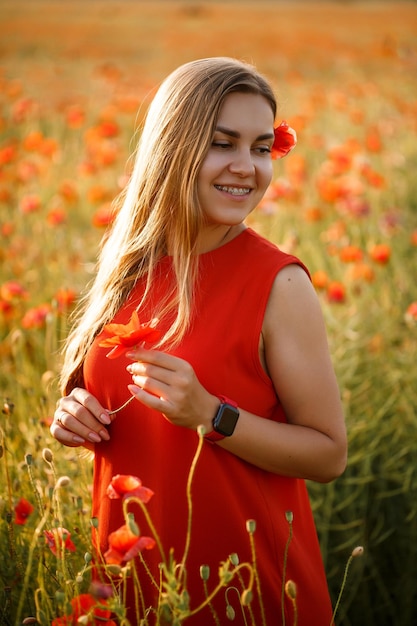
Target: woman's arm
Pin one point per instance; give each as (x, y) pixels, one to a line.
(313, 443)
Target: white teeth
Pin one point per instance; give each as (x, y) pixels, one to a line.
(235, 191)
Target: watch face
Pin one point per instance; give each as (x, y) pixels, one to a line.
(225, 420)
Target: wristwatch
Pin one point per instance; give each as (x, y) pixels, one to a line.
(224, 421)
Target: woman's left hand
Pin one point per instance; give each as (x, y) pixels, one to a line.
(169, 384)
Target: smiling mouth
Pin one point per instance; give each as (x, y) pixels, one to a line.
(234, 191)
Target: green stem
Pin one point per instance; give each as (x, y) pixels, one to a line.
(284, 566)
(211, 607)
(345, 575)
(217, 589)
(29, 564)
(148, 520)
(189, 498)
(242, 609)
(256, 576)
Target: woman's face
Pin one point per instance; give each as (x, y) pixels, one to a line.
(238, 168)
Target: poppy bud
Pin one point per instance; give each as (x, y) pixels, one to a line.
(63, 481)
(251, 526)
(246, 597)
(47, 455)
(291, 589)
(358, 551)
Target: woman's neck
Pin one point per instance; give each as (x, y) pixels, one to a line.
(213, 237)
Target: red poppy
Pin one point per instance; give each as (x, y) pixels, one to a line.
(336, 292)
(65, 298)
(320, 279)
(86, 605)
(124, 545)
(33, 141)
(30, 204)
(75, 116)
(13, 290)
(8, 154)
(6, 308)
(123, 485)
(36, 317)
(285, 140)
(108, 128)
(56, 216)
(22, 511)
(57, 538)
(380, 253)
(126, 336)
(103, 216)
(350, 254)
(411, 313)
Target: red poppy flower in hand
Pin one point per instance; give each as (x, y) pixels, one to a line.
(59, 537)
(285, 140)
(124, 545)
(22, 511)
(125, 485)
(126, 336)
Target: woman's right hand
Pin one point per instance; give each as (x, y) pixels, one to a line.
(80, 419)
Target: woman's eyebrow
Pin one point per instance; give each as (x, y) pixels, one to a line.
(236, 135)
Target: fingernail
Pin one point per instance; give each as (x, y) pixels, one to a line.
(105, 419)
(94, 437)
(134, 389)
(104, 434)
(129, 368)
(77, 439)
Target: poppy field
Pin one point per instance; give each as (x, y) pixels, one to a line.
(75, 81)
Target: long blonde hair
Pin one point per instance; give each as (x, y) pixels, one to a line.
(159, 209)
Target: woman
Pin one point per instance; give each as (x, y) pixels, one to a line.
(242, 352)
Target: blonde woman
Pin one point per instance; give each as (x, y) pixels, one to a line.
(241, 350)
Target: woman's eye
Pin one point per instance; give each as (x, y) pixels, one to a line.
(263, 149)
(220, 144)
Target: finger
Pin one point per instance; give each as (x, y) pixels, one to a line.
(79, 422)
(156, 357)
(64, 436)
(149, 371)
(91, 403)
(152, 386)
(151, 400)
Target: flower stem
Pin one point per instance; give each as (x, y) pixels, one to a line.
(289, 517)
(189, 498)
(121, 407)
(342, 588)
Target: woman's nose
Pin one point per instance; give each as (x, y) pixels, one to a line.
(242, 162)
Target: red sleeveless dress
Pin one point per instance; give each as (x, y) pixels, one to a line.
(222, 346)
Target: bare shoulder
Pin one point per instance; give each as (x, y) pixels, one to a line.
(292, 293)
